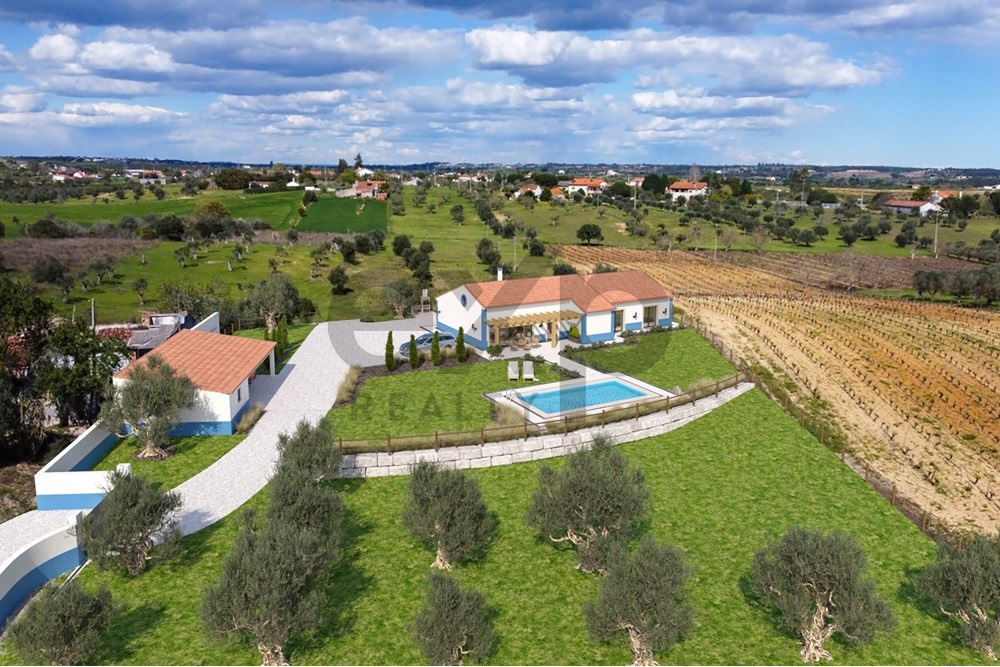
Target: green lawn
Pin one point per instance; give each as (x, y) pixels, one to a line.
(446, 399)
(194, 454)
(342, 215)
(665, 359)
(296, 334)
(719, 487)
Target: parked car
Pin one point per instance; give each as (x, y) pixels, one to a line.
(445, 341)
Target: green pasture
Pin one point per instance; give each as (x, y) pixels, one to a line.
(679, 357)
(720, 486)
(344, 216)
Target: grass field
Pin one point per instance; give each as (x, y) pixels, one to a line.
(193, 455)
(720, 486)
(666, 359)
(332, 214)
(445, 399)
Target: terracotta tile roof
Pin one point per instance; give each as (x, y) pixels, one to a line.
(591, 294)
(688, 185)
(214, 362)
(904, 203)
(627, 286)
(589, 182)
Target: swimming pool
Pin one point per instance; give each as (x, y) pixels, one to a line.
(580, 396)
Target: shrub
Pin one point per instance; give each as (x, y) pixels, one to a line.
(249, 418)
(461, 353)
(574, 332)
(350, 383)
(390, 354)
(436, 349)
(61, 626)
(494, 350)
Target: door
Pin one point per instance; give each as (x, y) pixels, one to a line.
(649, 316)
(619, 319)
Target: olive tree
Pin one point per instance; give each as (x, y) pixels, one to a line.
(594, 501)
(445, 510)
(965, 586)
(269, 589)
(814, 581)
(61, 626)
(453, 623)
(266, 592)
(643, 596)
(148, 405)
(132, 518)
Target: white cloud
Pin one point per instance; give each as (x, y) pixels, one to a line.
(58, 48)
(17, 99)
(101, 114)
(125, 56)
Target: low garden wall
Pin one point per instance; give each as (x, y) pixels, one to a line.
(535, 447)
(44, 559)
(67, 482)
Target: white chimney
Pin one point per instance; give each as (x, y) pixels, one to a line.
(499, 273)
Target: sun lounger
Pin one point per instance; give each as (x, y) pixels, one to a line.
(512, 370)
(529, 370)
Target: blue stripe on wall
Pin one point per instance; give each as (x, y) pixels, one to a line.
(47, 571)
(633, 326)
(69, 501)
(203, 428)
(97, 453)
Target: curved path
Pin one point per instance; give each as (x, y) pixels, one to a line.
(305, 389)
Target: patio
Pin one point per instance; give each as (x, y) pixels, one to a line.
(517, 331)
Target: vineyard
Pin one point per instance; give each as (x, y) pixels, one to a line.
(913, 385)
(842, 271)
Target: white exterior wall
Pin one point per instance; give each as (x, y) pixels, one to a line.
(239, 398)
(452, 313)
(598, 323)
(209, 324)
(211, 406)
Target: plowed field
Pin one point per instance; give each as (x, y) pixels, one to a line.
(915, 386)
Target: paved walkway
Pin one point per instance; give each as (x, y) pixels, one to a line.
(305, 389)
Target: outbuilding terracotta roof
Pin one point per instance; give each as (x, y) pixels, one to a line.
(214, 362)
(591, 294)
(904, 203)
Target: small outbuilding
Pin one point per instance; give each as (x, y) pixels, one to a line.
(221, 368)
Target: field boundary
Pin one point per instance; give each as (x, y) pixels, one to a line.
(834, 439)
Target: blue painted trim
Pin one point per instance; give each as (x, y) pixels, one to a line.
(236, 419)
(633, 326)
(97, 453)
(203, 428)
(69, 501)
(47, 571)
(664, 323)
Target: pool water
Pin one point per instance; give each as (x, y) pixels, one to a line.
(581, 396)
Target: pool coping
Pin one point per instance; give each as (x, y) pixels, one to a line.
(512, 397)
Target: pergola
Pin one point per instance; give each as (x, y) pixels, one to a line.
(551, 318)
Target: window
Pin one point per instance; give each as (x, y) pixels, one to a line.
(649, 316)
(465, 301)
(239, 394)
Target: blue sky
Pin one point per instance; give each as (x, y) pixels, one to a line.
(910, 82)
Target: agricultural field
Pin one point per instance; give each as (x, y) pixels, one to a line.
(913, 385)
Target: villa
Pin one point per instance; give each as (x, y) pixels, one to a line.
(220, 367)
(599, 305)
(687, 189)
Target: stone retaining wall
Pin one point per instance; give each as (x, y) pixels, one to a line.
(383, 464)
